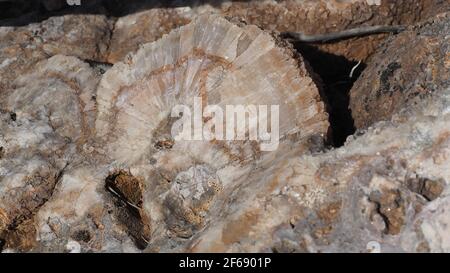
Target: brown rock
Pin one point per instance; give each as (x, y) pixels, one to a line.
(390, 205)
(137, 29)
(428, 188)
(21, 236)
(410, 67)
(127, 187)
(129, 191)
(306, 16)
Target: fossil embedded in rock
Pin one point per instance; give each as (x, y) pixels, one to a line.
(215, 60)
(210, 61)
(160, 152)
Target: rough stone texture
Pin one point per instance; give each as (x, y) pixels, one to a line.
(137, 29)
(88, 201)
(82, 36)
(45, 121)
(87, 163)
(408, 68)
(224, 64)
(308, 16)
(345, 199)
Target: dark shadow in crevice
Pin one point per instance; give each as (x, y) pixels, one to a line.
(2, 244)
(334, 72)
(24, 12)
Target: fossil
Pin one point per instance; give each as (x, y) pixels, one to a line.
(224, 64)
(92, 159)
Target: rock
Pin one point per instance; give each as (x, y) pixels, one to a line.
(408, 68)
(85, 193)
(92, 157)
(347, 199)
(22, 47)
(428, 188)
(310, 17)
(129, 190)
(137, 29)
(429, 232)
(221, 63)
(44, 121)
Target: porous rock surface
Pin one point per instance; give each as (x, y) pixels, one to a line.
(45, 121)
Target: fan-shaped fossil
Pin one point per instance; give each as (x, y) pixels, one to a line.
(213, 59)
(223, 64)
(98, 165)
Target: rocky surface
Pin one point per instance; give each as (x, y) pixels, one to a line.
(88, 162)
(372, 190)
(45, 122)
(187, 180)
(83, 36)
(407, 68)
(306, 16)
(132, 178)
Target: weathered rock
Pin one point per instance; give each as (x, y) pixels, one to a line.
(172, 186)
(129, 190)
(82, 36)
(45, 121)
(90, 164)
(148, 26)
(348, 199)
(306, 16)
(408, 68)
(223, 64)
